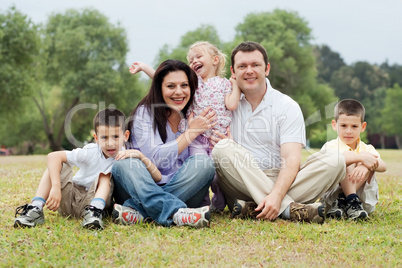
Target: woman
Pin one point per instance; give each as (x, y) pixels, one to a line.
(154, 131)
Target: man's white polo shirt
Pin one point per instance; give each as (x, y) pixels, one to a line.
(278, 119)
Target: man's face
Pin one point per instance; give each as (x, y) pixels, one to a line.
(250, 71)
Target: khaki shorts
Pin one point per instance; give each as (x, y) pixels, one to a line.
(74, 197)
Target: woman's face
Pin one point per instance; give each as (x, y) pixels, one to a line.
(176, 90)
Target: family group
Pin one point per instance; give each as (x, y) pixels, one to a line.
(196, 130)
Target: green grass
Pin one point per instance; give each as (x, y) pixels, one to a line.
(229, 243)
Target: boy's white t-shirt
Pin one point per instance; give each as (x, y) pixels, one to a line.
(91, 162)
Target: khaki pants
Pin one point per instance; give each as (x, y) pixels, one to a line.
(240, 177)
(74, 197)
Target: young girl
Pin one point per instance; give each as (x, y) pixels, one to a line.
(213, 91)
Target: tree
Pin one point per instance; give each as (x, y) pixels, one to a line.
(327, 61)
(286, 37)
(394, 72)
(202, 33)
(83, 63)
(19, 47)
(358, 81)
(392, 121)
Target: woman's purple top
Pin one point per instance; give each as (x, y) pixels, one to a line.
(163, 154)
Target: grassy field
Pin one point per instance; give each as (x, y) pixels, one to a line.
(228, 243)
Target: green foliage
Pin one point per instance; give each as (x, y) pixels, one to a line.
(392, 120)
(202, 33)
(286, 37)
(327, 61)
(358, 81)
(19, 46)
(85, 64)
(394, 72)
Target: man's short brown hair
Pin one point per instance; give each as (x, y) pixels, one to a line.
(249, 46)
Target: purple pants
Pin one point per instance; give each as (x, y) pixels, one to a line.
(201, 145)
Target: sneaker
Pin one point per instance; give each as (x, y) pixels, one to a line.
(244, 210)
(194, 217)
(337, 210)
(215, 210)
(354, 210)
(30, 216)
(125, 215)
(307, 212)
(92, 218)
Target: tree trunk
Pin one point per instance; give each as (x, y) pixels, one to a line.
(54, 142)
(398, 141)
(382, 140)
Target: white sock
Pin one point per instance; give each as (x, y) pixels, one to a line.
(98, 203)
(38, 202)
(286, 213)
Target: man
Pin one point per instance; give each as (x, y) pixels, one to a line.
(259, 170)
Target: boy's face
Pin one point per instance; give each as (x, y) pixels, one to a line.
(110, 139)
(349, 128)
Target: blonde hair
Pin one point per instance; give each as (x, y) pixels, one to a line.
(213, 51)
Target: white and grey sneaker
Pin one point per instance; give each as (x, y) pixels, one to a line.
(126, 215)
(92, 218)
(354, 210)
(29, 216)
(194, 217)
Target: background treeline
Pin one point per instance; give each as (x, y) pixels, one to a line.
(55, 77)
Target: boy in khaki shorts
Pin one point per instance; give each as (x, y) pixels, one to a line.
(87, 193)
(356, 195)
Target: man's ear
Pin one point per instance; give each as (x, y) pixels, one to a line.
(126, 135)
(334, 127)
(232, 71)
(268, 69)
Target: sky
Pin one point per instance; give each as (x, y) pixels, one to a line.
(359, 30)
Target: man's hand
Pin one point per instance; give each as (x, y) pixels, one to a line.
(269, 207)
(214, 139)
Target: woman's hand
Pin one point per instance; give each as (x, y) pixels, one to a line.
(127, 154)
(206, 120)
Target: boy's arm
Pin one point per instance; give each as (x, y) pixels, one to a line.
(55, 162)
(382, 167)
(367, 159)
(152, 169)
(232, 99)
(139, 66)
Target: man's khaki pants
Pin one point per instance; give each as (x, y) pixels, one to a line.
(240, 177)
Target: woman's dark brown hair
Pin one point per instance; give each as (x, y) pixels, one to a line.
(154, 99)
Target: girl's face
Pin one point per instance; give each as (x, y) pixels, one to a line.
(176, 90)
(203, 63)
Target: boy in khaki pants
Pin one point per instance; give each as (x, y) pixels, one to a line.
(88, 192)
(356, 195)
